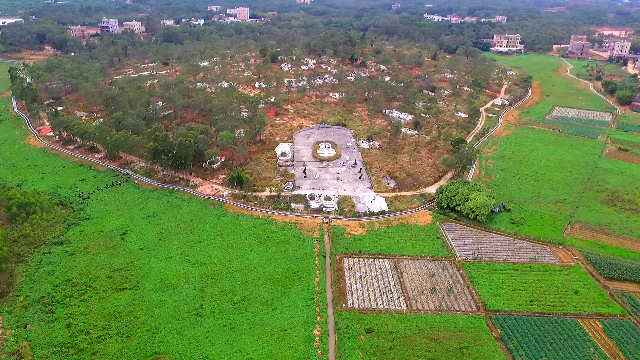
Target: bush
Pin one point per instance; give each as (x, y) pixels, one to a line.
(614, 268)
(471, 199)
(610, 86)
(625, 97)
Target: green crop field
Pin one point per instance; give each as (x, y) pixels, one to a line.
(625, 335)
(535, 338)
(540, 288)
(614, 268)
(556, 89)
(632, 302)
(414, 336)
(603, 248)
(409, 239)
(5, 83)
(147, 272)
(550, 180)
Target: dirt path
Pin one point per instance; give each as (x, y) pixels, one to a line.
(483, 115)
(590, 85)
(594, 328)
(331, 324)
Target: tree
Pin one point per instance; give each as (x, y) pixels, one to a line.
(238, 179)
(471, 199)
(225, 140)
(609, 86)
(625, 97)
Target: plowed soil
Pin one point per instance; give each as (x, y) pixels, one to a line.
(630, 244)
(622, 286)
(594, 328)
(621, 155)
(564, 255)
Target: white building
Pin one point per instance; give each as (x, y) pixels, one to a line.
(214, 7)
(166, 23)
(109, 26)
(135, 26)
(5, 21)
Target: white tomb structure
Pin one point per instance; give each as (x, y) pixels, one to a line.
(326, 150)
(285, 154)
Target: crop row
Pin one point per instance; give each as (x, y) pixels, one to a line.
(578, 121)
(580, 132)
(581, 113)
(474, 244)
(435, 286)
(628, 127)
(625, 335)
(534, 338)
(614, 268)
(631, 301)
(373, 284)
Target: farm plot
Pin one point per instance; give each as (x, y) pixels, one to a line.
(373, 284)
(613, 267)
(594, 328)
(632, 302)
(625, 335)
(540, 288)
(435, 286)
(534, 338)
(584, 117)
(474, 244)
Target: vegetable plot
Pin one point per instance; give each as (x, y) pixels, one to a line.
(625, 335)
(373, 284)
(632, 302)
(474, 244)
(435, 286)
(535, 338)
(591, 118)
(614, 268)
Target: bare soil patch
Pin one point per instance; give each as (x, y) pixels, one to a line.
(622, 286)
(594, 328)
(421, 218)
(565, 256)
(628, 243)
(627, 156)
(510, 120)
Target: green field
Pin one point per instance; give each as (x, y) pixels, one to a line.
(632, 302)
(147, 272)
(409, 239)
(603, 248)
(625, 335)
(5, 83)
(415, 336)
(556, 90)
(550, 180)
(535, 338)
(613, 267)
(540, 288)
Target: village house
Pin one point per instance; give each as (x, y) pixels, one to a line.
(454, 19)
(5, 21)
(303, 1)
(434, 17)
(617, 48)
(497, 19)
(214, 7)
(242, 13)
(507, 44)
(79, 31)
(395, 6)
(134, 26)
(579, 47)
(109, 26)
(194, 22)
(166, 23)
(604, 31)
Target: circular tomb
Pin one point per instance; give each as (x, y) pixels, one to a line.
(326, 150)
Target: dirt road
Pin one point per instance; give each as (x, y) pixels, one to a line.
(331, 323)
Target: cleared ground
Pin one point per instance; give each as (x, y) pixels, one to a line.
(473, 244)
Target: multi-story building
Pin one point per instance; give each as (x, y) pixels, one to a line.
(109, 26)
(169, 22)
(620, 48)
(579, 47)
(434, 17)
(507, 44)
(79, 31)
(214, 7)
(134, 26)
(242, 13)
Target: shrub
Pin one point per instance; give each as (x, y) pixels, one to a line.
(624, 97)
(238, 179)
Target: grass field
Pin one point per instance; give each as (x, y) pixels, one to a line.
(147, 272)
(603, 248)
(409, 239)
(550, 180)
(556, 89)
(443, 337)
(534, 338)
(540, 288)
(5, 83)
